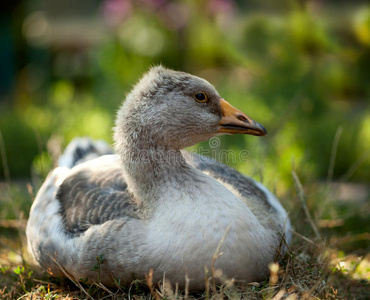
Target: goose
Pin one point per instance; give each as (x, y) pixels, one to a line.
(151, 206)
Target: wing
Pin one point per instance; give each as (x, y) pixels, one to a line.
(94, 192)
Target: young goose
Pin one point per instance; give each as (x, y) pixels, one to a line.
(152, 206)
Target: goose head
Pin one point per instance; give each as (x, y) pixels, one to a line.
(174, 110)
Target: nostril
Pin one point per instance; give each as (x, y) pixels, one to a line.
(242, 118)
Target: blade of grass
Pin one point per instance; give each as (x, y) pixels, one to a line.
(333, 155)
(304, 238)
(302, 198)
(216, 255)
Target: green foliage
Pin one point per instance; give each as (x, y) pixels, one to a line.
(15, 201)
(99, 261)
(19, 270)
(297, 72)
(3, 269)
(20, 144)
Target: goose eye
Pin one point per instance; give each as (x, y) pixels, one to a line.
(200, 97)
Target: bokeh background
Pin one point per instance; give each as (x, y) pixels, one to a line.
(301, 68)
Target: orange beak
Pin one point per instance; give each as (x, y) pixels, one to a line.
(234, 121)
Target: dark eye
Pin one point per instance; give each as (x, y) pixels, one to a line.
(201, 97)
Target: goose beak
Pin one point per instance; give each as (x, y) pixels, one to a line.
(234, 121)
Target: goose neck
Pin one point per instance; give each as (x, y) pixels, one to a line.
(148, 169)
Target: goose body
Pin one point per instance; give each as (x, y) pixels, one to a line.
(152, 205)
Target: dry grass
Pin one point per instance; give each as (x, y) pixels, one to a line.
(306, 273)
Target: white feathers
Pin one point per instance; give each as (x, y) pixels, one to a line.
(281, 213)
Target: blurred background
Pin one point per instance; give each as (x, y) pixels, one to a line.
(301, 68)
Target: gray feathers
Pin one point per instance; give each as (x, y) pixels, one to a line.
(91, 197)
